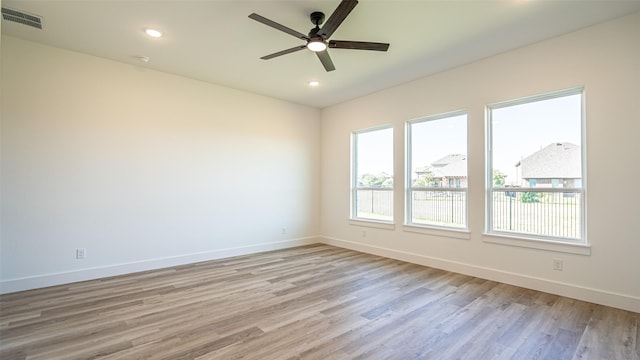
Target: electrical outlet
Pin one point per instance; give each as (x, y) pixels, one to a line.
(81, 253)
(364, 233)
(557, 264)
(284, 230)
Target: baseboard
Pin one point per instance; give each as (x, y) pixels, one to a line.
(616, 300)
(596, 296)
(40, 281)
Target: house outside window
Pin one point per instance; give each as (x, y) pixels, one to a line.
(535, 145)
(372, 175)
(436, 189)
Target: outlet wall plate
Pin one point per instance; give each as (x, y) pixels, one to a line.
(557, 264)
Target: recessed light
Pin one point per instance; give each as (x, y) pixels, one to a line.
(313, 83)
(153, 33)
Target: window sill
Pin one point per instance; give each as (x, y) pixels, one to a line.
(539, 244)
(373, 224)
(451, 233)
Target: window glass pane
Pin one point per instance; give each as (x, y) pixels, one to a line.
(373, 169)
(439, 152)
(536, 168)
(537, 141)
(438, 163)
(374, 161)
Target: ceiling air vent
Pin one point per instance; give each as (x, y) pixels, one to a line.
(22, 18)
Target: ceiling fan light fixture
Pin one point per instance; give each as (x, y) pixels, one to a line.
(316, 45)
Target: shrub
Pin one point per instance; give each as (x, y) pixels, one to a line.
(530, 197)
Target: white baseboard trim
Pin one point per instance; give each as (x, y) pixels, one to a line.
(602, 297)
(620, 301)
(40, 281)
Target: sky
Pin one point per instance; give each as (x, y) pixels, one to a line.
(439, 138)
(432, 140)
(521, 130)
(517, 132)
(375, 152)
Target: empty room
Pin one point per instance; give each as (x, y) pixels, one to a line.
(328, 179)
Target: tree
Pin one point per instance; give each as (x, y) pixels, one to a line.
(426, 179)
(498, 178)
(380, 180)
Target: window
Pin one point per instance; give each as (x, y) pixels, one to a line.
(372, 175)
(437, 171)
(535, 171)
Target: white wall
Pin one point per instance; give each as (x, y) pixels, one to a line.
(143, 169)
(603, 58)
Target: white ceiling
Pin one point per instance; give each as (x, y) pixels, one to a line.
(215, 41)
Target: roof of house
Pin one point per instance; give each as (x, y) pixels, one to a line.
(452, 165)
(555, 161)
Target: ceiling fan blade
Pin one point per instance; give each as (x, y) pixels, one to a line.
(325, 59)
(277, 26)
(283, 52)
(337, 17)
(358, 45)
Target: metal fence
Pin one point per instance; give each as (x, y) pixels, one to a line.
(544, 213)
(375, 203)
(550, 213)
(439, 207)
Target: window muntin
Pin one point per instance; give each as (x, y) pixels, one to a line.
(437, 179)
(535, 167)
(372, 174)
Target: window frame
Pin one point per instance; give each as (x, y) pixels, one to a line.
(563, 244)
(409, 224)
(353, 213)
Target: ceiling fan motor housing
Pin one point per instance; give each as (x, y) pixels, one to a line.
(317, 18)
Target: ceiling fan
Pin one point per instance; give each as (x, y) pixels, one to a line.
(318, 38)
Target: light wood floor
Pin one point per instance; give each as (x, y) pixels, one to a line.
(311, 302)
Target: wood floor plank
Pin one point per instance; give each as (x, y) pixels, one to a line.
(309, 302)
(610, 334)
